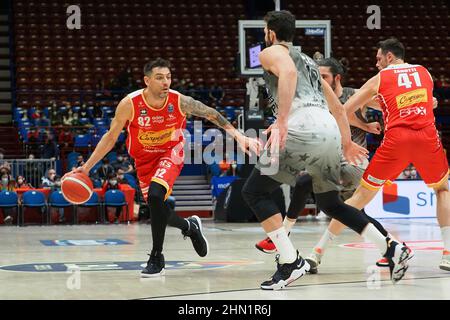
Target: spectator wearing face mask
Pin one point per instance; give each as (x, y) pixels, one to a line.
(121, 177)
(120, 163)
(49, 180)
(21, 183)
(57, 187)
(113, 184)
(7, 184)
(105, 170)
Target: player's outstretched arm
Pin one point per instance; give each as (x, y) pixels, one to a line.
(363, 96)
(194, 107)
(352, 152)
(107, 142)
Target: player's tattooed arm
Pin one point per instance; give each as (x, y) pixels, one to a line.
(194, 107)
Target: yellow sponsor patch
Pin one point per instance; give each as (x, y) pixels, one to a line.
(412, 98)
(155, 138)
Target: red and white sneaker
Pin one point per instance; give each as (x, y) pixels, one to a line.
(445, 262)
(383, 262)
(266, 246)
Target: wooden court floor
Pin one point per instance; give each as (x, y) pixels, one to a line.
(104, 262)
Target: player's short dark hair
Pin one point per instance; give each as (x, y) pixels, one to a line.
(393, 46)
(157, 63)
(282, 23)
(335, 66)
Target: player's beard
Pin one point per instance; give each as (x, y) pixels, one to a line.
(333, 85)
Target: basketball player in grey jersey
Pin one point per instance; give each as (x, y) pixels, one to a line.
(332, 72)
(305, 136)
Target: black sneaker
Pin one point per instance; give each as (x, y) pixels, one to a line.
(286, 273)
(155, 266)
(397, 265)
(195, 232)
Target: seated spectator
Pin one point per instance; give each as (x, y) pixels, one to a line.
(7, 184)
(33, 171)
(121, 177)
(68, 117)
(36, 114)
(97, 112)
(75, 120)
(105, 170)
(216, 94)
(113, 184)
(21, 183)
(56, 118)
(43, 121)
(83, 112)
(48, 182)
(57, 187)
(50, 148)
(410, 173)
(120, 163)
(442, 87)
(80, 160)
(65, 138)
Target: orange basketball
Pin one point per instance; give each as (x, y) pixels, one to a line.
(76, 187)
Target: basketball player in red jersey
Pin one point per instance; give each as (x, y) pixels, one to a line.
(155, 117)
(405, 94)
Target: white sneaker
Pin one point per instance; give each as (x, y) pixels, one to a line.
(445, 262)
(322, 216)
(314, 259)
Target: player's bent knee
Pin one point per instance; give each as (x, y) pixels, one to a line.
(156, 192)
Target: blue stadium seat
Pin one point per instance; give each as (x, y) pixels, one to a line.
(93, 201)
(9, 199)
(84, 121)
(57, 200)
(33, 199)
(82, 140)
(115, 198)
(131, 180)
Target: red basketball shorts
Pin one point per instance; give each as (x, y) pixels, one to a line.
(402, 146)
(162, 169)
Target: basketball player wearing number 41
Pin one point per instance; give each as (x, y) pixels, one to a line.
(405, 94)
(155, 117)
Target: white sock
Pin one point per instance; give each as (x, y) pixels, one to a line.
(323, 243)
(446, 238)
(287, 252)
(372, 234)
(288, 224)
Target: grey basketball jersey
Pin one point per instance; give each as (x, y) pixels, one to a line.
(309, 92)
(358, 135)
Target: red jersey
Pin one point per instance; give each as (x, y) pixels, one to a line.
(152, 132)
(405, 94)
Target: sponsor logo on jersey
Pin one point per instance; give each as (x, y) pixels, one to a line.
(170, 108)
(155, 138)
(412, 98)
(157, 119)
(143, 112)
